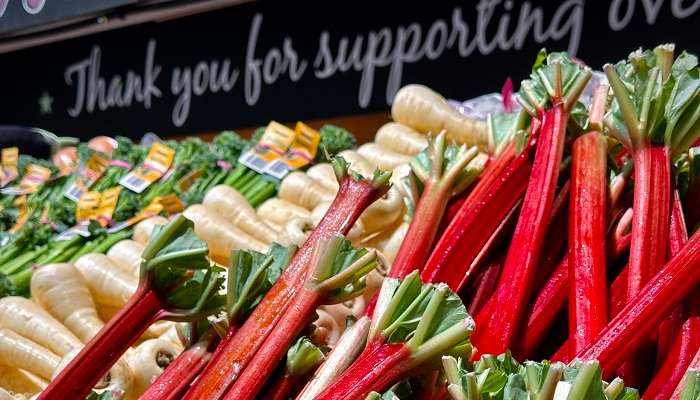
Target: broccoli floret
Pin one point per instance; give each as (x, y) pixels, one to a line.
(228, 145)
(334, 139)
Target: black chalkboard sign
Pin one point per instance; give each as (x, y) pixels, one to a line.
(247, 64)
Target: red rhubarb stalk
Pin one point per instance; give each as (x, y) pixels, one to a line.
(337, 275)
(657, 126)
(397, 345)
(443, 171)
(229, 360)
(496, 330)
(174, 248)
(588, 312)
(550, 301)
(641, 316)
(679, 343)
(498, 191)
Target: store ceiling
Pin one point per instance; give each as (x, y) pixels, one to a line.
(30, 23)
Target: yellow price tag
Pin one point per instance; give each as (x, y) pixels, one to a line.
(156, 164)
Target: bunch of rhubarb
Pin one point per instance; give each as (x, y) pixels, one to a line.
(177, 283)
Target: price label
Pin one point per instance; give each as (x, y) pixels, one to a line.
(87, 206)
(186, 181)
(151, 210)
(97, 206)
(273, 144)
(10, 157)
(301, 153)
(156, 164)
(34, 176)
(23, 213)
(171, 204)
(88, 174)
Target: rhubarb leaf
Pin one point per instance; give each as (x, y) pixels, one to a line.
(251, 275)
(303, 357)
(189, 294)
(502, 128)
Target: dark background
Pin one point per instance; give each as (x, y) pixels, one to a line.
(26, 74)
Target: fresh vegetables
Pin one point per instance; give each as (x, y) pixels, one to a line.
(563, 82)
(556, 215)
(504, 377)
(422, 109)
(413, 324)
(336, 274)
(164, 291)
(233, 354)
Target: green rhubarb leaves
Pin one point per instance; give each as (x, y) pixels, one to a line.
(251, 274)
(657, 99)
(503, 378)
(303, 357)
(339, 269)
(430, 319)
(686, 168)
(175, 264)
(554, 78)
(502, 128)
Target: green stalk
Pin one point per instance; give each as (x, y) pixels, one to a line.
(20, 261)
(235, 174)
(104, 245)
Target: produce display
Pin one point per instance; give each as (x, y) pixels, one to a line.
(549, 250)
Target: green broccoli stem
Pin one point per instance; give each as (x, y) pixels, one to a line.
(17, 263)
(235, 174)
(106, 244)
(21, 281)
(252, 183)
(247, 177)
(264, 193)
(9, 252)
(59, 248)
(88, 247)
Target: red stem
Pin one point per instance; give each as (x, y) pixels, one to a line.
(677, 237)
(550, 301)
(180, 374)
(666, 290)
(78, 378)
(648, 246)
(487, 283)
(678, 343)
(417, 243)
(233, 355)
(650, 221)
(452, 259)
(677, 360)
(376, 369)
(588, 312)
(495, 332)
(274, 348)
(282, 388)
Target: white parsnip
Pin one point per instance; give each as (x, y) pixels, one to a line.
(424, 110)
(221, 236)
(278, 212)
(301, 190)
(20, 381)
(107, 312)
(323, 173)
(148, 360)
(19, 352)
(390, 246)
(109, 284)
(230, 204)
(127, 254)
(383, 157)
(298, 229)
(383, 212)
(61, 290)
(28, 319)
(401, 139)
(358, 163)
(144, 229)
(119, 379)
